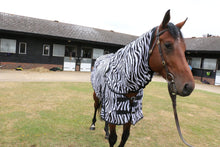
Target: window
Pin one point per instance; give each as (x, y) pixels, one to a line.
(97, 53)
(196, 62)
(58, 50)
(22, 47)
(70, 51)
(46, 50)
(86, 52)
(8, 46)
(209, 64)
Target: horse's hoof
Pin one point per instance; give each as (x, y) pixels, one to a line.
(92, 127)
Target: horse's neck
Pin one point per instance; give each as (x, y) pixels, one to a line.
(128, 68)
(135, 55)
(141, 47)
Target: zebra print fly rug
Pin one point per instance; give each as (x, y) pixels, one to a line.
(115, 75)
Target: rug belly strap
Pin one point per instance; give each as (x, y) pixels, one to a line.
(121, 112)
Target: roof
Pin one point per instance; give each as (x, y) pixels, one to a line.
(11, 22)
(211, 44)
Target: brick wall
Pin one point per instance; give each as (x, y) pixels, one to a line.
(13, 65)
(209, 80)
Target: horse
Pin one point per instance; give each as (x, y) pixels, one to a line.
(118, 79)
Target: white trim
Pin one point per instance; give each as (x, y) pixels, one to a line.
(196, 62)
(25, 47)
(209, 63)
(217, 77)
(46, 45)
(8, 46)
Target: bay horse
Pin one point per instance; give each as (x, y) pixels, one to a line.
(118, 79)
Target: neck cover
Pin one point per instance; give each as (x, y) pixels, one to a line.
(128, 69)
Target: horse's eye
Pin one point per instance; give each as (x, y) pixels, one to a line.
(168, 45)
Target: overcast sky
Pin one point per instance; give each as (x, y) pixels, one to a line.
(127, 16)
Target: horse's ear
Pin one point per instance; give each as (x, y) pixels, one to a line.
(166, 20)
(180, 25)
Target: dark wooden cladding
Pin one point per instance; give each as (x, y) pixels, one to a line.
(34, 50)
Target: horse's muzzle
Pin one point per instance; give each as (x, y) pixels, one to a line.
(187, 89)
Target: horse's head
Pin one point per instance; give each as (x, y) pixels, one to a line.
(168, 55)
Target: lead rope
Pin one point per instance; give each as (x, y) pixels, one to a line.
(171, 85)
(172, 93)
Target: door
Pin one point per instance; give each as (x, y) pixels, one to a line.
(69, 64)
(70, 58)
(217, 77)
(86, 61)
(85, 64)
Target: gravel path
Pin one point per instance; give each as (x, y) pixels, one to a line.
(33, 76)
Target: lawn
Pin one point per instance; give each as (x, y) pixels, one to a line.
(59, 114)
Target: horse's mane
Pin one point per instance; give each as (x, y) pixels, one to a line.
(153, 37)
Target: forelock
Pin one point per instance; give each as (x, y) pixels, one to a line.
(174, 31)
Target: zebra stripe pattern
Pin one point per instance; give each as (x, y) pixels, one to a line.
(117, 74)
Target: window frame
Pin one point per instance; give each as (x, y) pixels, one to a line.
(11, 48)
(20, 43)
(46, 45)
(198, 59)
(206, 63)
(58, 50)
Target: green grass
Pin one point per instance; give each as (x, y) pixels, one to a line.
(59, 114)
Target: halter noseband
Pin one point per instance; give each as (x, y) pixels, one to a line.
(169, 76)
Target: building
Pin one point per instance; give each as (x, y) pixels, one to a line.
(203, 54)
(30, 42)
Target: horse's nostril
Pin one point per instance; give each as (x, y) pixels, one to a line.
(186, 86)
(187, 89)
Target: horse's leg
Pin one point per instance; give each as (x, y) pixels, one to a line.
(112, 136)
(96, 106)
(106, 131)
(126, 133)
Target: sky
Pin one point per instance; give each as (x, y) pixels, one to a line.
(133, 17)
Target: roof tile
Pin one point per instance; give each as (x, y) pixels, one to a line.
(53, 28)
(203, 44)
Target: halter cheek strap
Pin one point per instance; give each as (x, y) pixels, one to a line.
(169, 75)
(171, 82)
